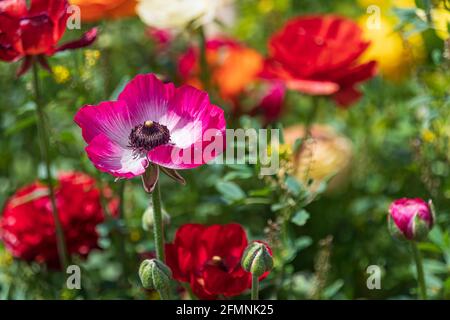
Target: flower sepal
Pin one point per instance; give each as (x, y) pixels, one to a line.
(150, 178)
(172, 173)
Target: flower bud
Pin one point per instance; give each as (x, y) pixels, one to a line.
(410, 219)
(257, 258)
(155, 275)
(147, 218)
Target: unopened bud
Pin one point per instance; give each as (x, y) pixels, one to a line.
(257, 258)
(155, 275)
(147, 218)
(411, 219)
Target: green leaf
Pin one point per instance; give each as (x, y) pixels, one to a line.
(300, 217)
(293, 186)
(230, 190)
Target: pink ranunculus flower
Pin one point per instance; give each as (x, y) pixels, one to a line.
(152, 123)
(411, 218)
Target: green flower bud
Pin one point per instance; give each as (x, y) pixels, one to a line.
(155, 275)
(147, 218)
(257, 258)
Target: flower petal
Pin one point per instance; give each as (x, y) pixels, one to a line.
(112, 158)
(109, 118)
(190, 114)
(87, 39)
(147, 98)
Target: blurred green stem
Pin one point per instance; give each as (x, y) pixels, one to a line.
(158, 223)
(255, 287)
(420, 273)
(45, 149)
(204, 72)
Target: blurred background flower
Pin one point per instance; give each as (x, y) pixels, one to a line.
(395, 53)
(27, 228)
(317, 55)
(35, 31)
(177, 14)
(327, 157)
(94, 10)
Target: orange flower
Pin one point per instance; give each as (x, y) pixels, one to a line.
(94, 10)
(233, 66)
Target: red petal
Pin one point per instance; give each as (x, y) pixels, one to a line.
(13, 8)
(346, 97)
(37, 34)
(87, 39)
(26, 64)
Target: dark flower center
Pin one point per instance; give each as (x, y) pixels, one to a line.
(217, 261)
(147, 136)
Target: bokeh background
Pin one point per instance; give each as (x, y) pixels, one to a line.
(394, 142)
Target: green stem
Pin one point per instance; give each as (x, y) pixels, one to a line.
(158, 228)
(420, 273)
(164, 294)
(45, 149)
(204, 72)
(255, 287)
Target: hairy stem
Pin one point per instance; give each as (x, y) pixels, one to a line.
(158, 227)
(45, 150)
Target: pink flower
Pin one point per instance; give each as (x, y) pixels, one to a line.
(412, 218)
(151, 123)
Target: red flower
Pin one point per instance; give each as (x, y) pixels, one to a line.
(209, 258)
(318, 55)
(27, 227)
(35, 31)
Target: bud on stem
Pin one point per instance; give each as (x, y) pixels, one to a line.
(257, 259)
(155, 275)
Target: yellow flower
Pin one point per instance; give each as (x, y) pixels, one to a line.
(394, 54)
(441, 20)
(135, 235)
(428, 136)
(91, 57)
(6, 259)
(61, 74)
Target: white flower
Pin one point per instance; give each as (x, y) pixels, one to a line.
(175, 14)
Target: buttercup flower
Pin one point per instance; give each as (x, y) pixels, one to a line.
(209, 259)
(94, 10)
(151, 123)
(35, 31)
(27, 227)
(177, 14)
(411, 218)
(318, 55)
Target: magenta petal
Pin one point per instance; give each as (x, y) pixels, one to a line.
(110, 157)
(110, 118)
(147, 98)
(87, 39)
(187, 124)
(190, 114)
